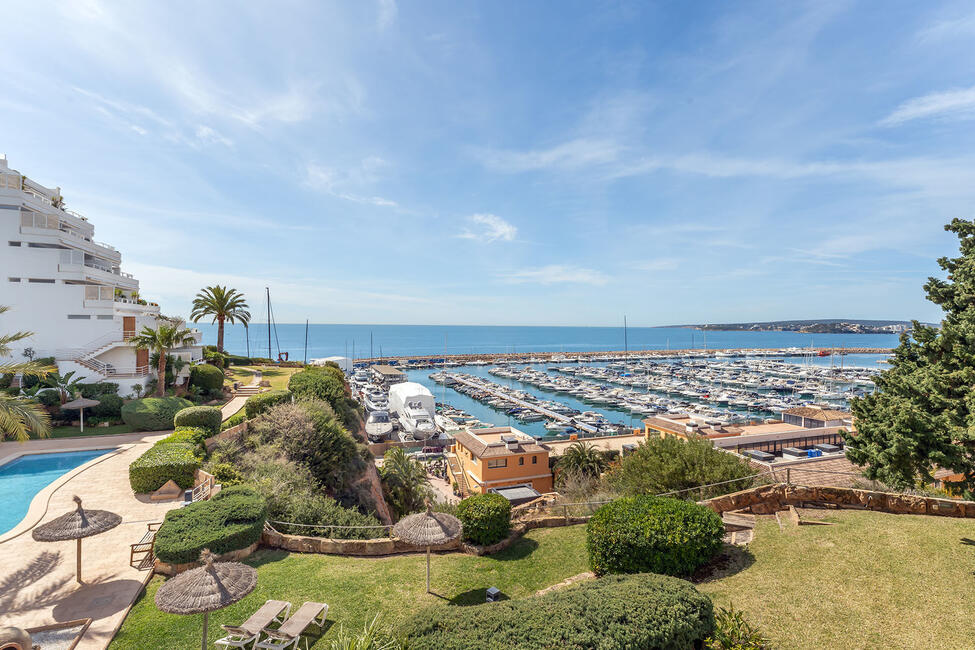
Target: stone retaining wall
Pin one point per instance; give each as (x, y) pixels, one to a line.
(768, 499)
(231, 556)
(232, 432)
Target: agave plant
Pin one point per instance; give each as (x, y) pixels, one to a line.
(20, 417)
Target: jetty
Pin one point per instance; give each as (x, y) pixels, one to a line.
(552, 415)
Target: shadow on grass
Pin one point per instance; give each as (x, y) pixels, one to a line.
(517, 551)
(729, 561)
(265, 556)
(473, 597)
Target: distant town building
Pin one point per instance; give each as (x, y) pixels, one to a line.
(69, 289)
(388, 375)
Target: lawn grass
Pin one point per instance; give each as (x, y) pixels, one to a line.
(870, 580)
(357, 588)
(75, 432)
(278, 377)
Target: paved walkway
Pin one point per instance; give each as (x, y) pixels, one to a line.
(37, 583)
(237, 403)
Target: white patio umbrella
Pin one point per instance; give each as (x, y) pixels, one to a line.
(81, 404)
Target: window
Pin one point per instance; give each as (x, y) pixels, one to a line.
(534, 460)
(110, 317)
(14, 279)
(13, 243)
(521, 460)
(497, 462)
(41, 280)
(79, 317)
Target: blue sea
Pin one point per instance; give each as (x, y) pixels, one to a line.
(404, 340)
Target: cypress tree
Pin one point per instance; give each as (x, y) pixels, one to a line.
(921, 418)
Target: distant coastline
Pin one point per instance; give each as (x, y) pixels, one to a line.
(813, 326)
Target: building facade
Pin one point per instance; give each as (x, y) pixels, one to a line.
(69, 290)
(501, 457)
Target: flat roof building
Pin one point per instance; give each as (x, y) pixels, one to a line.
(498, 457)
(388, 375)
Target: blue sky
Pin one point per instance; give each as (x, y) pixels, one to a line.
(508, 162)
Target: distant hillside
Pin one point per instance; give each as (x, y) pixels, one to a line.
(815, 326)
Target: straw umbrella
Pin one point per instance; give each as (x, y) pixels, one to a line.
(81, 404)
(213, 586)
(77, 524)
(428, 529)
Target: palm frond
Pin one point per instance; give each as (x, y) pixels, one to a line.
(19, 418)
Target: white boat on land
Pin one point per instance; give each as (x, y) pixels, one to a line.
(378, 426)
(415, 407)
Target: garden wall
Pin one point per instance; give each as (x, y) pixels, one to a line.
(232, 556)
(228, 434)
(768, 499)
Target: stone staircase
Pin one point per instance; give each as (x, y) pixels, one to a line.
(247, 391)
(459, 477)
(739, 527)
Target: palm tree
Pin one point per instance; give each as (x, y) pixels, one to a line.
(224, 305)
(404, 482)
(64, 384)
(20, 417)
(582, 459)
(167, 336)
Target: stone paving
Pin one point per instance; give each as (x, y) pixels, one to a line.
(37, 580)
(237, 403)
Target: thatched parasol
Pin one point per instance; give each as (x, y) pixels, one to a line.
(77, 524)
(428, 529)
(206, 589)
(81, 404)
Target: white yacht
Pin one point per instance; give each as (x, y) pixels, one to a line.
(378, 426)
(414, 405)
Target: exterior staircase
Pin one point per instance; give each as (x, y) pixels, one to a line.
(247, 391)
(460, 479)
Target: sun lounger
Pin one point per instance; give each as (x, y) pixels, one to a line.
(290, 632)
(248, 632)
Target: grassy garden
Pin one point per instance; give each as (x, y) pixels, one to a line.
(870, 580)
(278, 376)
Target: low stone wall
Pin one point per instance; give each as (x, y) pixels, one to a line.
(768, 499)
(519, 528)
(228, 434)
(361, 547)
(233, 556)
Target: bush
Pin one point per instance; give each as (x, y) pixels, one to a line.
(235, 419)
(109, 406)
(207, 377)
(226, 474)
(328, 384)
(236, 360)
(49, 398)
(733, 632)
(231, 520)
(257, 404)
(189, 435)
(217, 359)
(153, 413)
(205, 417)
(637, 612)
(652, 534)
(669, 464)
(97, 390)
(160, 463)
(486, 518)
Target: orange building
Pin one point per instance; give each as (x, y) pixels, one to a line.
(500, 457)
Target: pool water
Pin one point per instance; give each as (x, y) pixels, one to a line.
(21, 479)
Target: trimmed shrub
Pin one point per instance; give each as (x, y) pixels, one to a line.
(109, 406)
(639, 612)
(160, 463)
(236, 360)
(49, 397)
(153, 413)
(257, 404)
(235, 419)
(190, 435)
(96, 390)
(486, 518)
(206, 377)
(205, 417)
(231, 520)
(652, 534)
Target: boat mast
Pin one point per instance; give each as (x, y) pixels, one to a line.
(625, 345)
(306, 341)
(268, 290)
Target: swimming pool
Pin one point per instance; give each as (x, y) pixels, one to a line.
(22, 478)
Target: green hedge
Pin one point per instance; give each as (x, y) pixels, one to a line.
(205, 417)
(96, 390)
(235, 419)
(652, 534)
(257, 404)
(160, 463)
(231, 520)
(190, 435)
(109, 406)
(486, 518)
(636, 612)
(206, 376)
(153, 413)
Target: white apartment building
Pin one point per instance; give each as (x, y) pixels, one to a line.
(70, 290)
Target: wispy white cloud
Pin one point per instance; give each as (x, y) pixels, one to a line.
(557, 274)
(580, 152)
(387, 13)
(208, 135)
(956, 103)
(658, 264)
(963, 26)
(489, 228)
(343, 183)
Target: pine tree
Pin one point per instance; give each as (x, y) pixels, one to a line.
(921, 418)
